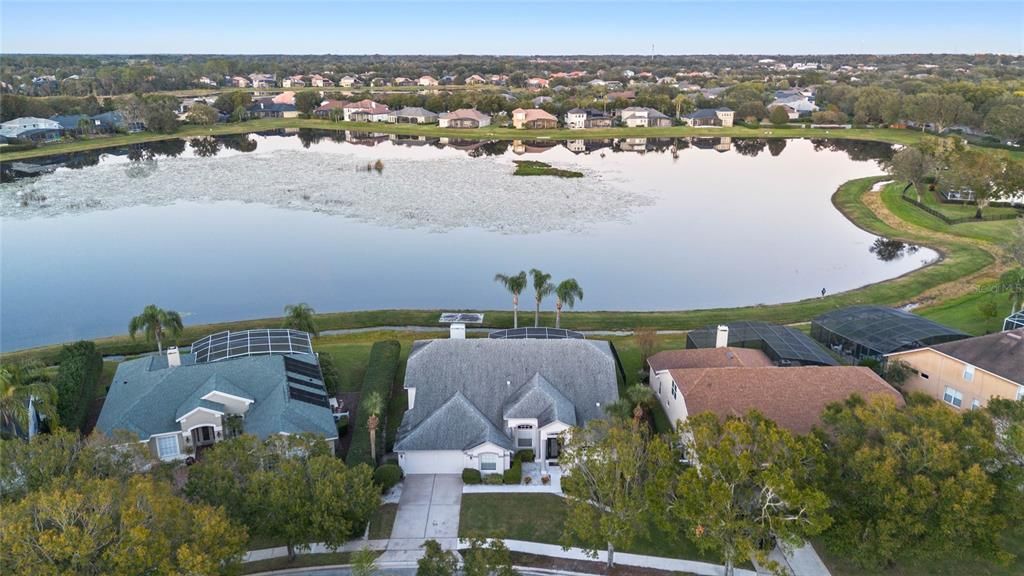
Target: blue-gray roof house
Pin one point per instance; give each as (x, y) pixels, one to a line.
(267, 380)
(115, 121)
(473, 403)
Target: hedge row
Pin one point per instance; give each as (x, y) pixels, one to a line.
(77, 379)
(380, 375)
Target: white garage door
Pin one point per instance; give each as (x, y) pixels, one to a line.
(432, 462)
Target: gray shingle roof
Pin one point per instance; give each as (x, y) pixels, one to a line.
(146, 397)
(568, 380)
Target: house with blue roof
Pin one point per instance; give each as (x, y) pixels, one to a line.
(709, 117)
(260, 382)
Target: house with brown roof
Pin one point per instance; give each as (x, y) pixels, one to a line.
(427, 81)
(969, 372)
(463, 118)
(475, 79)
(333, 109)
(537, 83)
(533, 118)
(730, 381)
(366, 111)
(320, 81)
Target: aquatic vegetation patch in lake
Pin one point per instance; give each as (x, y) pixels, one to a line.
(535, 168)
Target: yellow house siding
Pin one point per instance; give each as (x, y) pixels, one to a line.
(936, 371)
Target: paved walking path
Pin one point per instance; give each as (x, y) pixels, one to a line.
(803, 561)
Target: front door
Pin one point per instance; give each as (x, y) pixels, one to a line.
(552, 450)
(203, 436)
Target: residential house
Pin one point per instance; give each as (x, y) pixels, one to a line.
(114, 121)
(427, 81)
(876, 331)
(498, 79)
(76, 123)
(712, 93)
(474, 403)
(293, 82)
(614, 85)
(537, 83)
(239, 82)
(332, 109)
(287, 97)
(968, 372)
(260, 382)
(709, 117)
(637, 116)
(403, 81)
(267, 108)
(1014, 321)
(318, 81)
(413, 115)
(463, 118)
(206, 81)
(541, 100)
(623, 95)
(263, 80)
(475, 79)
(348, 81)
(729, 381)
(796, 105)
(581, 118)
(31, 129)
(596, 83)
(366, 111)
(533, 118)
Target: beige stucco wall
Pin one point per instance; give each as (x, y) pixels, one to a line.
(937, 371)
(200, 418)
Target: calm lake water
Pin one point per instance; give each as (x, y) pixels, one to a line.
(238, 227)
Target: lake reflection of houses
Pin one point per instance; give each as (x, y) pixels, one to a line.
(532, 146)
(723, 144)
(411, 141)
(365, 138)
(586, 146)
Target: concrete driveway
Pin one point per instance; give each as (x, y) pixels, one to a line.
(429, 507)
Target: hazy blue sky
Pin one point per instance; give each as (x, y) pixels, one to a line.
(495, 27)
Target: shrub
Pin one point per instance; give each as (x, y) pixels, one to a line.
(471, 476)
(332, 379)
(386, 476)
(494, 479)
(76, 382)
(526, 456)
(515, 473)
(380, 376)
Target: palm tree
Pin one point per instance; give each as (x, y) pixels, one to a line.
(636, 401)
(374, 405)
(542, 286)
(153, 321)
(1012, 283)
(567, 293)
(20, 384)
(515, 285)
(300, 317)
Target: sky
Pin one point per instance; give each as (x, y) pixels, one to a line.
(498, 27)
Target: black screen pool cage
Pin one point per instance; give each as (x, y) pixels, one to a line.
(874, 331)
(785, 346)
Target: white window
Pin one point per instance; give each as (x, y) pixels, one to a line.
(953, 397)
(975, 404)
(674, 389)
(1020, 393)
(968, 373)
(488, 462)
(167, 446)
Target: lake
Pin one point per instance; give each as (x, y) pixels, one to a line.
(237, 227)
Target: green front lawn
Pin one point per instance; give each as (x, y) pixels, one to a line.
(301, 561)
(540, 517)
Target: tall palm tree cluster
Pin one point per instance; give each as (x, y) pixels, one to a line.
(566, 292)
(20, 385)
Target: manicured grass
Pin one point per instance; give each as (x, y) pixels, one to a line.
(382, 521)
(540, 518)
(535, 168)
(940, 566)
(931, 199)
(487, 133)
(301, 561)
(963, 313)
(351, 360)
(988, 231)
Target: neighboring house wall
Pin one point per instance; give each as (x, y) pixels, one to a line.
(968, 385)
(669, 395)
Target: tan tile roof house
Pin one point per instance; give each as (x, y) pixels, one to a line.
(463, 118)
(969, 372)
(531, 118)
(729, 381)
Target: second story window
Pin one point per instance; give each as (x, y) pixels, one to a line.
(968, 373)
